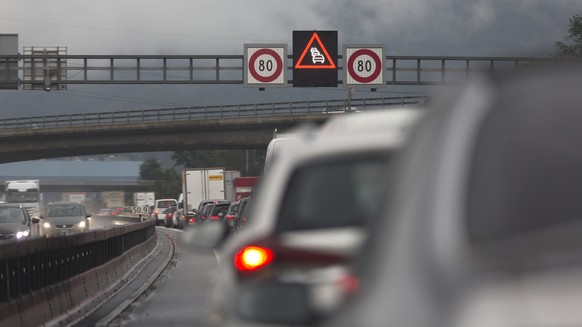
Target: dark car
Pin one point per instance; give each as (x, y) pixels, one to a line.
(232, 213)
(64, 218)
(15, 223)
(242, 216)
(216, 210)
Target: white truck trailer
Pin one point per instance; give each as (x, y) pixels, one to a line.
(199, 184)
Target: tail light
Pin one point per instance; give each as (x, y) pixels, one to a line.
(192, 220)
(169, 215)
(214, 217)
(251, 258)
(230, 217)
(349, 284)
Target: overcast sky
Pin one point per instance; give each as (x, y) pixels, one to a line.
(405, 27)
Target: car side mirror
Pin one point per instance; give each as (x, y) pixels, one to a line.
(36, 220)
(88, 216)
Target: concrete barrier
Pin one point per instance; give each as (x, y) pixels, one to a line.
(62, 303)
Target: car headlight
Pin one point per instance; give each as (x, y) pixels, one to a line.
(22, 234)
(47, 225)
(82, 224)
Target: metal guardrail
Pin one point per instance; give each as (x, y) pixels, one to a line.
(201, 113)
(34, 264)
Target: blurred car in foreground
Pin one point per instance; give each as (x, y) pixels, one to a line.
(15, 223)
(64, 218)
(484, 224)
(309, 216)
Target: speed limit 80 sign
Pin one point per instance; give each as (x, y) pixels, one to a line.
(364, 65)
(265, 65)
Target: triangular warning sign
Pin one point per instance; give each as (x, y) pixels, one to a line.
(316, 59)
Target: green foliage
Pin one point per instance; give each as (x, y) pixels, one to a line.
(170, 186)
(168, 183)
(573, 45)
(150, 169)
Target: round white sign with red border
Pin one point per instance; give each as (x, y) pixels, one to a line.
(265, 65)
(364, 66)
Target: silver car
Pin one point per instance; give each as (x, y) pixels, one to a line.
(64, 218)
(15, 223)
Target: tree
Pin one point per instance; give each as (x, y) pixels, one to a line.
(150, 169)
(167, 182)
(573, 45)
(170, 185)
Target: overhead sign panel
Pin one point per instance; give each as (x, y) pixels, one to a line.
(315, 57)
(8, 67)
(265, 65)
(45, 68)
(364, 65)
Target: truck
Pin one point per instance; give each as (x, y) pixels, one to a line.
(25, 192)
(113, 199)
(199, 184)
(141, 199)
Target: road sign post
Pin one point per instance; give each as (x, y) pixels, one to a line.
(364, 66)
(265, 65)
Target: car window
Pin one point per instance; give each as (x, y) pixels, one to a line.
(220, 208)
(165, 204)
(11, 215)
(64, 211)
(333, 194)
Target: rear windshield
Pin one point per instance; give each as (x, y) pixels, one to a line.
(220, 208)
(334, 194)
(165, 204)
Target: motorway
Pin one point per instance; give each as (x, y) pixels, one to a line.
(179, 294)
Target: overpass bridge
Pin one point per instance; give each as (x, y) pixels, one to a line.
(247, 126)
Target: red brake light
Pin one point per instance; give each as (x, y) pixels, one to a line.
(251, 258)
(229, 217)
(350, 284)
(213, 217)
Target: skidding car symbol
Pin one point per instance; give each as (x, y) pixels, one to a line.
(316, 56)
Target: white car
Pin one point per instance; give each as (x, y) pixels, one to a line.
(309, 216)
(316, 56)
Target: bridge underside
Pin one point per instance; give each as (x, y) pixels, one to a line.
(219, 133)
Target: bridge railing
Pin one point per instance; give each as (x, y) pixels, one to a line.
(201, 113)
